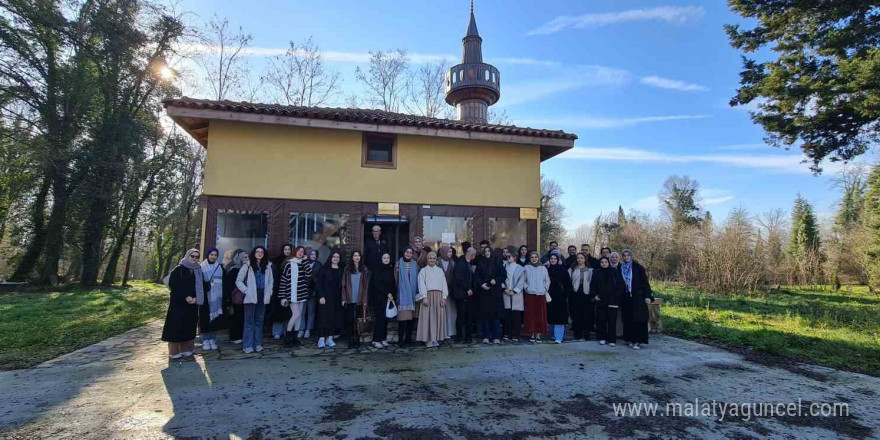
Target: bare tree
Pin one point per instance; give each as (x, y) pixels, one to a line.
(552, 212)
(225, 68)
(498, 117)
(299, 76)
(385, 79)
(426, 91)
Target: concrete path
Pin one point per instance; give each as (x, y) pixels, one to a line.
(125, 387)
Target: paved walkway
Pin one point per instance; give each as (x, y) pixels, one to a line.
(125, 387)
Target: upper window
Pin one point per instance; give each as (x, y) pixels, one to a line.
(379, 151)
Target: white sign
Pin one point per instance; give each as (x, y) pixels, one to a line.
(448, 237)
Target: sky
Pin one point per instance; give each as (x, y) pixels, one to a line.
(644, 84)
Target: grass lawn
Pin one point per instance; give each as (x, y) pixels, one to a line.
(835, 329)
(36, 327)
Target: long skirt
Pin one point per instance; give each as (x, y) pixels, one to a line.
(432, 319)
(535, 314)
(451, 316)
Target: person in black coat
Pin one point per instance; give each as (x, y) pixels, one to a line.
(187, 291)
(557, 308)
(489, 278)
(638, 295)
(592, 261)
(463, 294)
(328, 289)
(382, 289)
(236, 327)
(374, 248)
(606, 290)
(571, 259)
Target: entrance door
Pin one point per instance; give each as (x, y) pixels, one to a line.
(395, 234)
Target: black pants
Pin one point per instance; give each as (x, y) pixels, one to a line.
(465, 318)
(380, 322)
(350, 314)
(404, 332)
(512, 323)
(637, 332)
(582, 311)
(606, 323)
(236, 330)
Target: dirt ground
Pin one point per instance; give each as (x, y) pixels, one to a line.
(125, 387)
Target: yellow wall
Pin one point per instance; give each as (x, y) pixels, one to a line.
(276, 161)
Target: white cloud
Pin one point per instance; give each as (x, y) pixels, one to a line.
(647, 204)
(716, 200)
(567, 79)
(669, 14)
(787, 163)
(603, 122)
(672, 84)
(742, 147)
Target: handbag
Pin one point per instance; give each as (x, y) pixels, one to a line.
(237, 294)
(547, 295)
(391, 309)
(364, 323)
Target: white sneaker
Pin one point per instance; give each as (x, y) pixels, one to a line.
(300, 334)
(321, 343)
(377, 345)
(385, 344)
(636, 347)
(558, 342)
(176, 356)
(206, 345)
(612, 344)
(259, 348)
(248, 350)
(307, 334)
(602, 342)
(330, 342)
(237, 341)
(187, 353)
(276, 337)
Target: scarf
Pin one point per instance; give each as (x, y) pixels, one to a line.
(581, 276)
(214, 275)
(196, 269)
(626, 269)
(407, 284)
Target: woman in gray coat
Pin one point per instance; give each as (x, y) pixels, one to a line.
(513, 298)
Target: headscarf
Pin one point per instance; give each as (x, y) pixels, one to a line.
(442, 260)
(610, 261)
(196, 269)
(236, 259)
(530, 259)
(626, 269)
(407, 283)
(215, 292)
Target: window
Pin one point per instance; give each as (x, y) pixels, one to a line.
(241, 230)
(324, 232)
(487, 74)
(504, 232)
(379, 151)
(444, 231)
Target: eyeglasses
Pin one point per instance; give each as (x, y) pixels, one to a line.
(194, 257)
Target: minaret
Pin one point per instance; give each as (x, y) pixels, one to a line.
(473, 85)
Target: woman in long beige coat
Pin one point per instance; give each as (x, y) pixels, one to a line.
(433, 292)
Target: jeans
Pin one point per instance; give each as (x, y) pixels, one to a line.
(253, 325)
(212, 336)
(558, 332)
(491, 329)
(279, 328)
(307, 319)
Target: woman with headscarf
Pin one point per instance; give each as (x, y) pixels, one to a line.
(537, 285)
(513, 298)
(329, 306)
(255, 281)
(522, 256)
(638, 294)
(406, 273)
(279, 314)
(606, 288)
(187, 294)
(557, 310)
(307, 320)
(581, 304)
(489, 279)
(211, 310)
(294, 292)
(355, 296)
(614, 260)
(236, 327)
(382, 289)
(433, 293)
(446, 261)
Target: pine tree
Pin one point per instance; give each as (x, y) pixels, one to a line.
(804, 245)
(871, 222)
(621, 217)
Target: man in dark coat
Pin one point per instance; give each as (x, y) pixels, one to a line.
(554, 246)
(592, 261)
(572, 257)
(374, 248)
(463, 294)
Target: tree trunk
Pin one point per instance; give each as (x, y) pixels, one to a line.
(38, 240)
(55, 235)
(92, 236)
(130, 253)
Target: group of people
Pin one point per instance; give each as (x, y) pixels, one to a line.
(494, 294)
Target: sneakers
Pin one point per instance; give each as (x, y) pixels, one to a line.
(187, 353)
(384, 344)
(432, 344)
(307, 334)
(496, 342)
(330, 342)
(321, 343)
(636, 347)
(248, 350)
(602, 342)
(485, 342)
(558, 341)
(300, 334)
(538, 340)
(612, 344)
(237, 341)
(175, 356)
(276, 337)
(206, 346)
(259, 348)
(377, 345)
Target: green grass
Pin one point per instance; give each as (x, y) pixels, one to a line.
(38, 326)
(835, 329)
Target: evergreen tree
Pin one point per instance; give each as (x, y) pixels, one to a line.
(871, 221)
(804, 242)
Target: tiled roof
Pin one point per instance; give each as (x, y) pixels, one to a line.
(362, 115)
